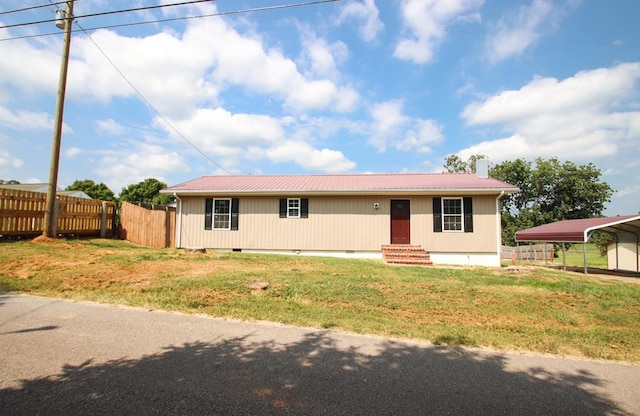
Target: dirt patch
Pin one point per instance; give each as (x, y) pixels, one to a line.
(45, 240)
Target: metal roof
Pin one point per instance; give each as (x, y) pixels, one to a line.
(29, 187)
(578, 231)
(408, 183)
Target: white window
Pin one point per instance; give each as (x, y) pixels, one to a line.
(452, 218)
(293, 208)
(221, 214)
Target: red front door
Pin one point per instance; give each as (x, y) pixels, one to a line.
(400, 221)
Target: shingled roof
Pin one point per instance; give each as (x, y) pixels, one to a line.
(397, 183)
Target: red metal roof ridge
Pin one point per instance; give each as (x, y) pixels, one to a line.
(293, 175)
(342, 182)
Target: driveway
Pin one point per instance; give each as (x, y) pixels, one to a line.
(59, 357)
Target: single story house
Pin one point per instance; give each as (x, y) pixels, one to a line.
(454, 216)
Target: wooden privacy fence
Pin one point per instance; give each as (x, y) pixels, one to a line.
(22, 214)
(533, 252)
(152, 226)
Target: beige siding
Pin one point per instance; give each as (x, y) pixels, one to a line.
(483, 239)
(335, 223)
(626, 257)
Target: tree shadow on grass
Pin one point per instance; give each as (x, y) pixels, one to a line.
(315, 376)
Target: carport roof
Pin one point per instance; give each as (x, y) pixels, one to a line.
(578, 231)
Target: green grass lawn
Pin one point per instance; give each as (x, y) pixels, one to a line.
(541, 310)
(575, 257)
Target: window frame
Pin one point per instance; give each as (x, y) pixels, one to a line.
(303, 208)
(445, 215)
(467, 214)
(214, 214)
(290, 207)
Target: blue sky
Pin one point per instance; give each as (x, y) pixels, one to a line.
(351, 86)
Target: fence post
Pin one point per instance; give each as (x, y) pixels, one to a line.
(167, 228)
(54, 220)
(103, 220)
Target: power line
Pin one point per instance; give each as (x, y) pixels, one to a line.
(33, 7)
(148, 103)
(142, 97)
(175, 19)
(109, 12)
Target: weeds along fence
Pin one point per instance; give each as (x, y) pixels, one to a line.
(533, 252)
(22, 215)
(148, 225)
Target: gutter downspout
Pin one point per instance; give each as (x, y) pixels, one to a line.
(178, 222)
(499, 227)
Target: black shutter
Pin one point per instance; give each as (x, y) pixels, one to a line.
(468, 214)
(437, 215)
(283, 207)
(208, 213)
(235, 202)
(304, 207)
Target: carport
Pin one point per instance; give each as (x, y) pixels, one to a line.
(625, 231)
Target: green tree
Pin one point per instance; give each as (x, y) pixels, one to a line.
(147, 192)
(549, 191)
(94, 190)
(9, 182)
(454, 164)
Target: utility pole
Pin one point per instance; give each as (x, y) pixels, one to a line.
(49, 215)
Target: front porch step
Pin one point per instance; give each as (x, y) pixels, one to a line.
(406, 254)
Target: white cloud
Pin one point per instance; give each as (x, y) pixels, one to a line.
(305, 156)
(367, 14)
(587, 91)
(8, 161)
(426, 22)
(138, 161)
(517, 31)
(322, 94)
(72, 152)
(391, 128)
(322, 58)
(176, 72)
(387, 117)
(420, 137)
(238, 57)
(169, 72)
(25, 120)
(230, 138)
(586, 116)
(32, 69)
(629, 190)
(110, 126)
(219, 132)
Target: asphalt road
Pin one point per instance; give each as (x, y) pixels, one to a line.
(66, 358)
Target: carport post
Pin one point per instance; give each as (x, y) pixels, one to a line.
(584, 256)
(564, 258)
